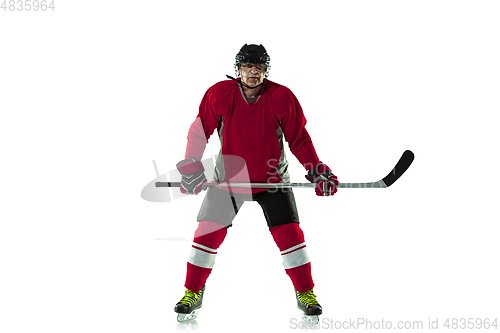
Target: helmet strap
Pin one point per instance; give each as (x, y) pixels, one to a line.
(243, 84)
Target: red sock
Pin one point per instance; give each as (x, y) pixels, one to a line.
(207, 239)
(290, 240)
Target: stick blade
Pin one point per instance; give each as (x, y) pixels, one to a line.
(400, 168)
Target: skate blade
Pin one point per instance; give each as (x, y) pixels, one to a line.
(310, 319)
(183, 317)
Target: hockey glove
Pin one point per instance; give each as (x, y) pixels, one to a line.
(326, 181)
(192, 176)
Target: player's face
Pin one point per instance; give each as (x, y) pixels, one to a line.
(252, 74)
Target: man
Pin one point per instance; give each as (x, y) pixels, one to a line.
(252, 115)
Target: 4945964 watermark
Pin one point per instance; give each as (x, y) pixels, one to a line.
(27, 5)
(383, 324)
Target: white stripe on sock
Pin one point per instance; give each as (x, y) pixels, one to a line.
(293, 248)
(205, 247)
(201, 258)
(295, 258)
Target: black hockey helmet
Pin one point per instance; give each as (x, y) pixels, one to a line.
(253, 54)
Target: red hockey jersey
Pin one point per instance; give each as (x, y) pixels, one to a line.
(251, 135)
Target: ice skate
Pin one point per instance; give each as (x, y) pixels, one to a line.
(310, 307)
(187, 307)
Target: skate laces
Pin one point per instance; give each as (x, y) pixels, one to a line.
(308, 298)
(190, 297)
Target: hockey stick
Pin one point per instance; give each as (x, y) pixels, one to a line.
(400, 168)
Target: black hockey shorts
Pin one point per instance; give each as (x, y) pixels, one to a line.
(221, 206)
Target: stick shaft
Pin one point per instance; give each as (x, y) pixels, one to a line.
(403, 164)
(378, 184)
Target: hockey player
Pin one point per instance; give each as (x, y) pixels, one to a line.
(252, 115)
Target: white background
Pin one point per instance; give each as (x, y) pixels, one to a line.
(94, 91)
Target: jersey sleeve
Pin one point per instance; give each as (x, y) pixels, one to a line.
(293, 124)
(203, 127)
